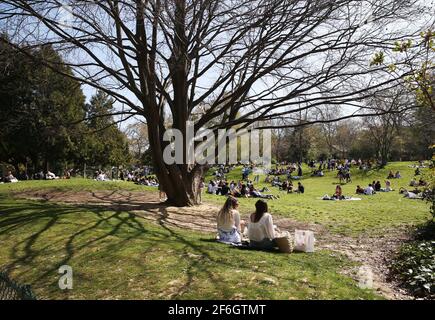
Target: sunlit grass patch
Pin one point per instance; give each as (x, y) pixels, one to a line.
(116, 255)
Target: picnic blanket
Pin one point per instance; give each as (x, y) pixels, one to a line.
(332, 199)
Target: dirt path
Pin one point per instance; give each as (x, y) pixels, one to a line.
(372, 252)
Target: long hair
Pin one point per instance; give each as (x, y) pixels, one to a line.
(261, 208)
(225, 216)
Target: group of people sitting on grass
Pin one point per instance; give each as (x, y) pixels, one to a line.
(414, 194)
(373, 188)
(260, 229)
(149, 181)
(417, 193)
(10, 178)
(140, 176)
(421, 164)
(292, 171)
(222, 170)
(330, 164)
(287, 186)
(338, 195)
(238, 190)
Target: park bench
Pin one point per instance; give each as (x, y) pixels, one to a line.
(10, 290)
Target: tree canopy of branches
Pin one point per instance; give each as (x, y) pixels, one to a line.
(247, 61)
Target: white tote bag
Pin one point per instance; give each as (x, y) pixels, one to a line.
(304, 241)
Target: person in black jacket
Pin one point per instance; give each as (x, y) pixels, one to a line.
(301, 188)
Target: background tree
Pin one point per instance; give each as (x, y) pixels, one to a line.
(420, 132)
(41, 123)
(384, 129)
(39, 107)
(107, 145)
(137, 134)
(280, 145)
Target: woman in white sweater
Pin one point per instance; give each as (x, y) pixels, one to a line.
(228, 222)
(261, 231)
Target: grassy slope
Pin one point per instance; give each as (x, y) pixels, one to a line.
(116, 255)
(372, 215)
(76, 184)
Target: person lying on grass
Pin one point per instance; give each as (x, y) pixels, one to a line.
(228, 222)
(261, 232)
(254, 193)
(369, 191)
(50, 176)
(359, 190)
(317, 173)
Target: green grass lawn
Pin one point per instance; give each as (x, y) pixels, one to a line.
(76, 184)
(373, 215)
(115, 255)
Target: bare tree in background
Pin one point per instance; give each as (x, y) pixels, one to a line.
(137, 134)
(247, 60)
(329, 129)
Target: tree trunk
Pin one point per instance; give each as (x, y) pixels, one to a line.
(179, 182)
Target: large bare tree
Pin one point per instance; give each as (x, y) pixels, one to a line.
(221, 63)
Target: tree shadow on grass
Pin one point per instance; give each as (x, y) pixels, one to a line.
(74, 229)
(206, 263)
(39, 219)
